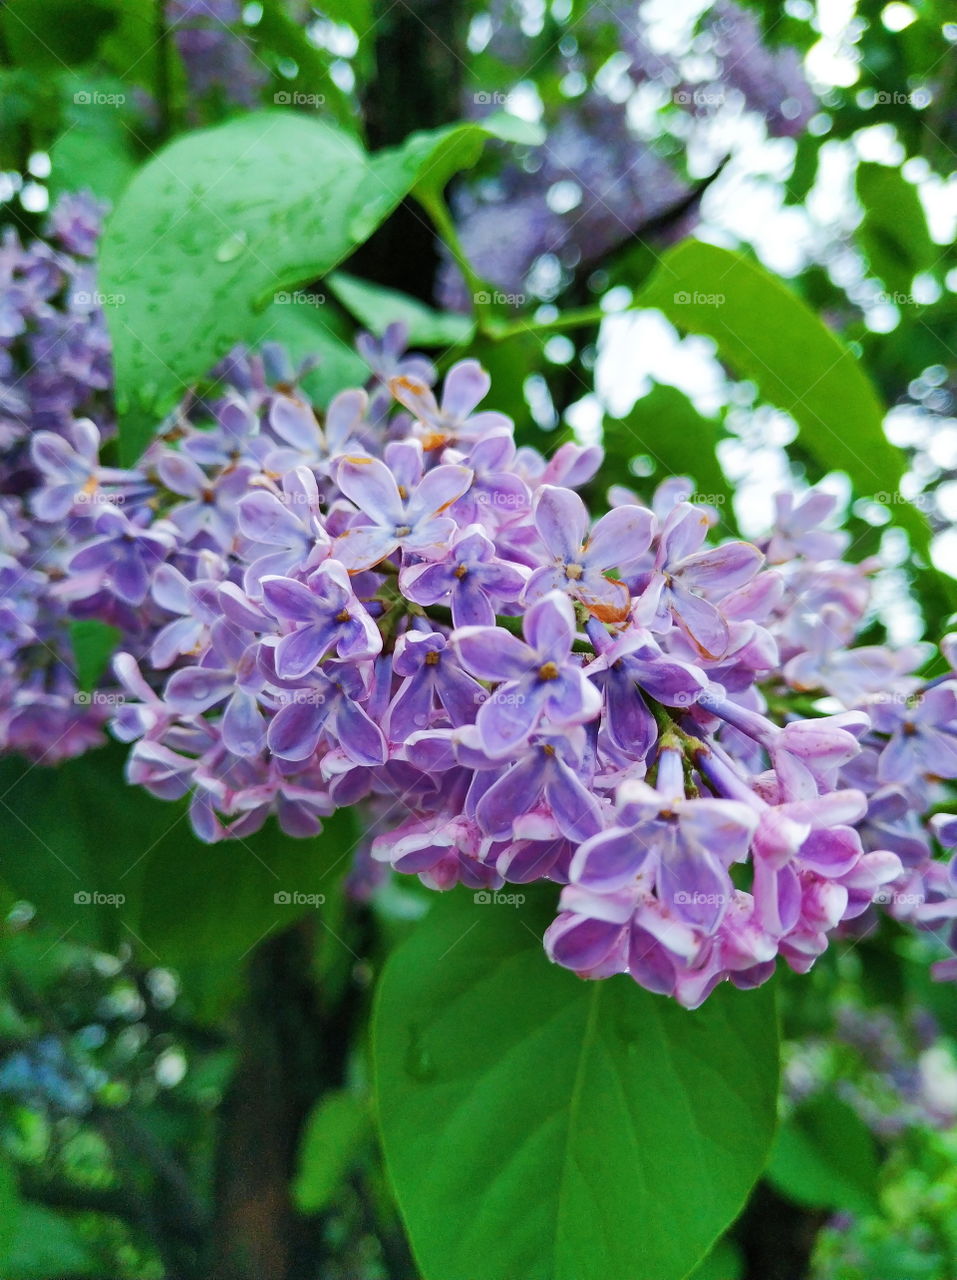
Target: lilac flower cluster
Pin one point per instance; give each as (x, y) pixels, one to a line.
(215, 53)
(54, 366)
(390, 603)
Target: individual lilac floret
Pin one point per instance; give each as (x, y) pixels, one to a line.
(683, 847)
(472, 579)
(71, 471)
(328, 701)
(430, 671)
(414, 522)
(536, 677)
(292, 524)
(466, 384)
(123, 555)
(580, 560)
(328, 615)
(630, 666)
(549, 768)
(386, 356)
(924, 738)
(685, 581)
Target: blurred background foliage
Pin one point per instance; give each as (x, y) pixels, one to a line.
(146, 1107)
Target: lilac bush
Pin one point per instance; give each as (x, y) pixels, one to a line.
(402, 609)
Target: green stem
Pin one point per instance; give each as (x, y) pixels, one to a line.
(434, 204)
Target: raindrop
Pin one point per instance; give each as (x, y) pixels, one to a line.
(232, 247)
(419, 1064)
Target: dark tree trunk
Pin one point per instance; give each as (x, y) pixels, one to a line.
(417, 85)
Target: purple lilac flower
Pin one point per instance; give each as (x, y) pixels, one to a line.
(535, 677)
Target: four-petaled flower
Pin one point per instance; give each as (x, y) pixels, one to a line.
(537, 676)
(412, 521)
(581, 560)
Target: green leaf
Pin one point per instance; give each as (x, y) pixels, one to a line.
(724, 1262)
(222, 220)
(319, 331)
(11, 1211)
(335, 1131)
(610, 1131)
(211, 902)
(765, 333)
(94, 149)
(93, 644)
(107, 862)
(48, 1244)
(826, 1158)
(72, 834)
(665, 425)
(893, 234)
(376, 307)
(49, 34)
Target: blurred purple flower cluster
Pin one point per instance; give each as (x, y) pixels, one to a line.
(216, 55)
(54, 365)
(598, 181)
(395, 605)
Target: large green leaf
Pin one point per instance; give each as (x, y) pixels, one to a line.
(107, 862)
(539, 1126)
(826, 1158)
(224, 219)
